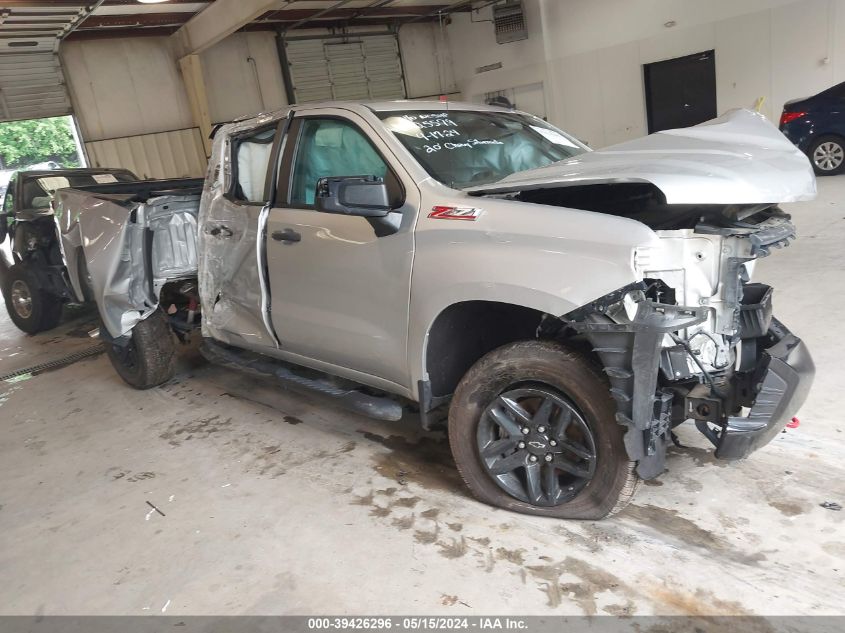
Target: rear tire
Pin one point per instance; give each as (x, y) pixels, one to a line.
(570, 461)
(30, 308)
(827, 154)
(148, 359)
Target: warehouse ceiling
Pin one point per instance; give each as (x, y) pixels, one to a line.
(32, 83)
(129, 18)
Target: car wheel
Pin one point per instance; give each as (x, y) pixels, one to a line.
(828, 155)
(532, 428)
(30, 308)
(148, 358)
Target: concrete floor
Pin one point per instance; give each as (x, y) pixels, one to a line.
(274, 504)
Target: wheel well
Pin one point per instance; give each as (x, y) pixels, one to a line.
(466, 331)
(817, 137)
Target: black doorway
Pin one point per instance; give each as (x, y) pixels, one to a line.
(680, 92)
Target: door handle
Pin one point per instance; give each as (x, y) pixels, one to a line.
(218, 230)
(288, 236)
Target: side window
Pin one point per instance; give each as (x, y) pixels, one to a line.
(9, 200)
(327, 148)
(251, 156)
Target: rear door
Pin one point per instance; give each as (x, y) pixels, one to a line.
(232, 220)
(340, 284)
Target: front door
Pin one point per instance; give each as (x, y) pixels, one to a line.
(232, 282)
(340, 284)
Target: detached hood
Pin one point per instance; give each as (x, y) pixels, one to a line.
(738, 158)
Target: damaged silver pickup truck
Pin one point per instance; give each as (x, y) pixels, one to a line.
(570, 306)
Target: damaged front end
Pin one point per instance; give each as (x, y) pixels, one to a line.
(696, 340)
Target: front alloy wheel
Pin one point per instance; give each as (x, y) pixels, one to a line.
(537, 446)
(533, 429)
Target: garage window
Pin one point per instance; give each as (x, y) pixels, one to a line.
(251, 159)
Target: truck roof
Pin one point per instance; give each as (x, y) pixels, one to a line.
(363, 107)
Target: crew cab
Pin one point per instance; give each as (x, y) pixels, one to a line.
(36, 285)
(570, 307)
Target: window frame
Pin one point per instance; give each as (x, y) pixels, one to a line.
(235, 141)
(285, 182)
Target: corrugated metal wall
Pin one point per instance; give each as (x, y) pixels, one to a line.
(173, 154)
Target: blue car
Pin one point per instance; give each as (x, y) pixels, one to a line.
(817, 126)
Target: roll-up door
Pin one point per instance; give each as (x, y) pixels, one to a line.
(356, 68)
(32, 86)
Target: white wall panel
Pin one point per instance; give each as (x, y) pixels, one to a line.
(125, 87)
(427, 58)
(590, 55)
(243, 76)
(174, 154)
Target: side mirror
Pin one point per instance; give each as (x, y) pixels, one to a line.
(364, 196)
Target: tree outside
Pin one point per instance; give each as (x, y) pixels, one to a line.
(24, 143)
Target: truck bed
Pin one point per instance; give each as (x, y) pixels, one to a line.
(143, 190)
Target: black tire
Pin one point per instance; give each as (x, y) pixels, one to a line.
(30, 308)
(827, 155)
(149, 357)
(578, 392)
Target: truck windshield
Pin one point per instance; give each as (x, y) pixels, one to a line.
(461, 148)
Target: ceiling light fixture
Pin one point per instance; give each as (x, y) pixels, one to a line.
(151, 1)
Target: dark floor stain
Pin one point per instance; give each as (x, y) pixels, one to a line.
(789, 508)
(670, 523)
(515, 556)
(591, 582)
(425, 537)
(292, 420)
(141, 476)
(652, 482)
(431, 513)
(620, 609)
(403, 523)
(71, 412)
(366, 500)
(691, 485)
(426, 462)
(454, 549)
(455, 527)
(379, 511)
(701, 456)
(405, 502)
(203, 428)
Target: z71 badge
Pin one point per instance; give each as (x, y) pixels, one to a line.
(454, 213)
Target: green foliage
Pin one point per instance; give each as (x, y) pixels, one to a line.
(24, 143)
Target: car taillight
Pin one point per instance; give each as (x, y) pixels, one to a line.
(786, 117)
